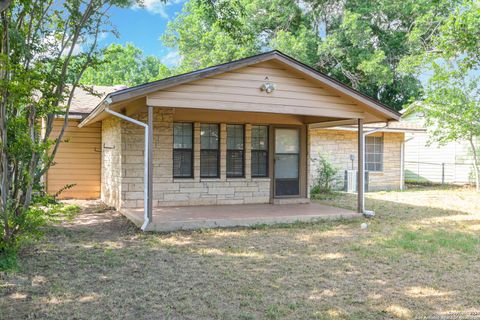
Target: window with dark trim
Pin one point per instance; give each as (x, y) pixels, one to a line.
(259, 151)
(183, 150)
(235, 150)
(374, 153)
(209, 150)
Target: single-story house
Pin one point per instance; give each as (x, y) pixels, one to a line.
(428, 161)
(243, 132)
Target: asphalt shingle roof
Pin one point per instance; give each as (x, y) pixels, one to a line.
(84, 101)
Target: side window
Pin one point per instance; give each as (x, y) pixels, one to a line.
(235, 150)
(259, 151)
(374, 153)
(183, 150)
(209, 150)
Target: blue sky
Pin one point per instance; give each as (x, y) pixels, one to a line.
(144, 26)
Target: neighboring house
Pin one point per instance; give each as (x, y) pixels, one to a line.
(425, 162)
(235, 133)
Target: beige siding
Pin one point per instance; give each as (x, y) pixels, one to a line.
(423, 161)
(239, 90)
(337, 146)
(77, 162)
(424, 158)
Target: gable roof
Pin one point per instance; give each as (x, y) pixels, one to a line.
(147, 88)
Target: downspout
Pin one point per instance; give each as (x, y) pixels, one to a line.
(367, 213)
(146, 219)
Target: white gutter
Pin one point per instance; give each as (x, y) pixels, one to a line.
(146, 220)
(367, 213)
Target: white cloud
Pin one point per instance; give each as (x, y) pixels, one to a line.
(171, 59)
(156, 6)
(52, 47)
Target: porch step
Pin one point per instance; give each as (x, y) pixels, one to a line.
(291, 200)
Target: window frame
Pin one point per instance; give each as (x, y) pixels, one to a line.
(377, 165)
(218, 151)
(191, 149)
(242, 150)
(267, 151)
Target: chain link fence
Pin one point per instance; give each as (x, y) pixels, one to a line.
(435, 172)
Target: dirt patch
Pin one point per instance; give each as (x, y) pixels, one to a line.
(418, 257)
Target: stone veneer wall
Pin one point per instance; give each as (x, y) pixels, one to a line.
(111, 162)
(337, 145)
(168, 191)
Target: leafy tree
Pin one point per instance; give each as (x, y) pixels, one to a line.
(356, 41)
(452, 110)
(452, 98)
(45, 46)
(125, 65)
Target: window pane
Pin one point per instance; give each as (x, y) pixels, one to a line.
(182, 135)
(235, 163)
(259, 137)
(374, 153)
(235, 137)
(287, 141)
(182, 163)
(259, 151)
(209, 163)
(286, 166)
(182, 150)
(209, 134)
(259, 163)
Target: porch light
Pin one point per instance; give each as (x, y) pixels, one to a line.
(268, 86)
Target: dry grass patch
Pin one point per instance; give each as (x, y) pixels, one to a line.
(418, 257)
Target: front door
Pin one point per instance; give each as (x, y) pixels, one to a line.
(286, 162)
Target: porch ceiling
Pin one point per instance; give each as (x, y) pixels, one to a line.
(197, 217)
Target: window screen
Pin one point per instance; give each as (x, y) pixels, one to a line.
(209, 150)
(235, 150)
(259, 151)
(182, 150)
(374, 153)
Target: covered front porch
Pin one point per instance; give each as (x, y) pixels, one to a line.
(167, 219)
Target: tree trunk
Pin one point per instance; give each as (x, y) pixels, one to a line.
(4, 180)
(475, 164)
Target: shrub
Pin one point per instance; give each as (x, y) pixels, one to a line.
(44, 209)
(325, 176)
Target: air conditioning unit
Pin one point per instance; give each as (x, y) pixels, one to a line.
(351, 179)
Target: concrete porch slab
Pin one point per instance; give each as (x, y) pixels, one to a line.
(222, 216)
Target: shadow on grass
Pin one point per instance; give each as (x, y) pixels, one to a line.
(99, 266)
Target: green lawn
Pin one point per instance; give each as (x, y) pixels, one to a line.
(420, 256)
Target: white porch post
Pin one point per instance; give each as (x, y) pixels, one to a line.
(149, 151)
(361, 169)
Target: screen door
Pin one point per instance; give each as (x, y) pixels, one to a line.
(287, 156)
